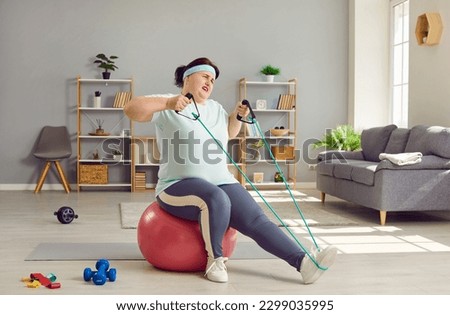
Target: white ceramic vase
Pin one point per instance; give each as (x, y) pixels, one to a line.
(97, 101)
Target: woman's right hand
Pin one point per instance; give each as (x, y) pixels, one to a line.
(178, 102)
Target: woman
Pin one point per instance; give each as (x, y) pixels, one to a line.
(194, 182)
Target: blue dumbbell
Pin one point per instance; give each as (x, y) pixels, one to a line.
(100, 276)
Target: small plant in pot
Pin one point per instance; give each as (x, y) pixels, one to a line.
(107, 64)
(270, 72)
(99, 129)
(117, 155)
(256, 146)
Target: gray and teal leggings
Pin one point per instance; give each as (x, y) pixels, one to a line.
(218, 207)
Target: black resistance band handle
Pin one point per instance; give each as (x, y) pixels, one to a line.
(252, 114)
(189, 96)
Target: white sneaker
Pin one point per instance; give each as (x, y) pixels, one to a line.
(325, 258)
(216, 270)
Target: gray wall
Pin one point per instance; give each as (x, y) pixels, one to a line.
(45, 44)
(429, 71)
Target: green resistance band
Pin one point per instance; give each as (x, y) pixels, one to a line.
(197, 117)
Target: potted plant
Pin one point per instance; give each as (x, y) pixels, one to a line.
(99, 129)
(344, 137)
(270, 72)
(257, 146)
(117, 155)
(107, 64)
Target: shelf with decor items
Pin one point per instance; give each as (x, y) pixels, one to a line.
(104, 134)
(274, 105)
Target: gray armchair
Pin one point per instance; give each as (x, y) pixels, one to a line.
(53, 145)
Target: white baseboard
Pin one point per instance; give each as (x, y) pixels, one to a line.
(32, 187)
(306, 185)
(300, 185)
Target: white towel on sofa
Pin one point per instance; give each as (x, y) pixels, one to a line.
(407, 158)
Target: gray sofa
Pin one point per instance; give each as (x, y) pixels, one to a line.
(361, 177)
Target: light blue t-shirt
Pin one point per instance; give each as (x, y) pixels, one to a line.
(188, 150)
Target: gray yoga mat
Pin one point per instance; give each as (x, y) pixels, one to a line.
(121, 251)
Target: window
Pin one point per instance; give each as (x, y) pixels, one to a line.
(399, 62)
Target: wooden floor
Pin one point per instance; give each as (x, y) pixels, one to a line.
(408, 256)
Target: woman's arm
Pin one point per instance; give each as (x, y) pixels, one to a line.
(142, 108)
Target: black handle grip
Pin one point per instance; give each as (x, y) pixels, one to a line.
(189, 96)
(252, 114)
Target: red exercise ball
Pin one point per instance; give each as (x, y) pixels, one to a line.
(175, 244)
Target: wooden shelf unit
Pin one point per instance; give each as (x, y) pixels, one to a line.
(265, 117)
(116, 123)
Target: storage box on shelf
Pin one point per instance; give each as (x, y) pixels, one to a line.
(93, 174)
(283, 152)
(102, 128)
(274, 104)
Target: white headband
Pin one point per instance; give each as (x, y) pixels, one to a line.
(199, 68)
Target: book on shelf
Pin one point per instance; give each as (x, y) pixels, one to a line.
(121, 99)
(252, 131)
(286, 101)
(140, 180)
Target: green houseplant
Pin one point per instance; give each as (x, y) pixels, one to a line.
(270, 71)
(344, 137)
(107, 64)
(117, 155)
(256, 146)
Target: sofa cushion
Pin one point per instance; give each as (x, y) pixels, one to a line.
(397, 141)
(441, 147)
(364, 173)
(430, 140)
(417, 141)
(374, 141)
(325, 168)
(343, 171)
(358, 171)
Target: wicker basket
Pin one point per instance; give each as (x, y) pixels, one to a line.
(93, 174)
(283, 152)
(279, 132)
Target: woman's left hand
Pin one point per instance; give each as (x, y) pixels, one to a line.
(242, 110)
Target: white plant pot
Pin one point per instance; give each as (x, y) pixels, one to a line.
(270, 78)
(117, 157)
